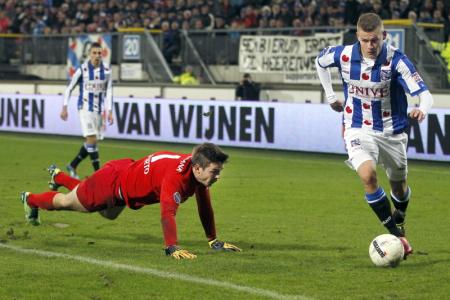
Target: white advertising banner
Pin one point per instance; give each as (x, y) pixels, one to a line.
(288, 126)
(288, 55)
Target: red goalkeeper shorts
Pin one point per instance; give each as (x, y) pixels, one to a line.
(99, 191)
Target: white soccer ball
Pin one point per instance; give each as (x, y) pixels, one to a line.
(386, 250)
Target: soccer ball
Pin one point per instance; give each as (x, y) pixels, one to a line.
(386, 250)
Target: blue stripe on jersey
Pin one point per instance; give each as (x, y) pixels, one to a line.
(376, 70)
(100, 102)
(80, 83)
(357, 113)
(355, 64)
(399, 103)
(102, 72)
(91, 95)
(399, 106)
(376, 115)
(345, 92)
(100, 95)
(337, 56)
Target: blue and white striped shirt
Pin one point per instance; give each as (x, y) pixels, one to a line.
(95, 87)
(374, 89)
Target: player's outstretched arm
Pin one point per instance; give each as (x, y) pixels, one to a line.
(219, 245)
(178, 253)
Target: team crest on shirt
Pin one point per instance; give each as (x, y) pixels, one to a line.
(177, 197)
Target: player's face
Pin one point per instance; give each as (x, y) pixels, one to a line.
(207, 176)
(95, 56)
(371, 42)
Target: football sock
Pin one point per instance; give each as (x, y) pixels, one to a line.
(66, 181)
(82, 154)
(401, 204)
(44, 200)
(93, 154)
(379, 203)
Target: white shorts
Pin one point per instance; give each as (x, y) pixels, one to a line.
(91, 123)
(388, 151)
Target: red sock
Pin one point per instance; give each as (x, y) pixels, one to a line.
(44, 200)
(66, 181)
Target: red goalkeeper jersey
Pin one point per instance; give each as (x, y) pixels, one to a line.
(166, 177)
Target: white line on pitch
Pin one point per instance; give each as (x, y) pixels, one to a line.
(155, 272)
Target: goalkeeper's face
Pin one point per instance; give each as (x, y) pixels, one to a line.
(207, 176)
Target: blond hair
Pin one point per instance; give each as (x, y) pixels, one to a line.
(369, 22)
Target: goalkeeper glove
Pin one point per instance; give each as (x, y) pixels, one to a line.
(179, 253)
(219, 245)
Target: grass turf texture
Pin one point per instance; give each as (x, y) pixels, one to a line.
(300, 219)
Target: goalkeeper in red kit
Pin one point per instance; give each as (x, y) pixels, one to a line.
(167, 178)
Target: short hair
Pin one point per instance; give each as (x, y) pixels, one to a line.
(369, 22)
(207, 153)
(96, 45)
(247, 75)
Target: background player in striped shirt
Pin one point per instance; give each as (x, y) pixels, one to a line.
(375, 78)
(94, 105)
(167, 178)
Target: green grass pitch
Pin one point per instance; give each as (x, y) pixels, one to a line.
(300, 219)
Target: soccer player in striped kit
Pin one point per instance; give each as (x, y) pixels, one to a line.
(376, 77)
(94, 104)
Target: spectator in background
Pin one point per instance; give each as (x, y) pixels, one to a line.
(265, 13)
(171, 41)
(286, 15)
(447, 25)
(224, 8)
(412, 16)
(297, 28)
(322, 18)
(247, 89)
(351, 12)
(187, 77)
(404, 9)
(219, 24)
(206, 17)
(425, 17)
(437, 17)
(379, 10)
(4, 22)
(444, 50)
(249, 18)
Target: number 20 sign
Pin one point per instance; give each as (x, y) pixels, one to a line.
(132, 47)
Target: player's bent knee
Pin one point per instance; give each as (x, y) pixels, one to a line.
(367, 173)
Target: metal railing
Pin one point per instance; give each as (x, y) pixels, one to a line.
(203, 48)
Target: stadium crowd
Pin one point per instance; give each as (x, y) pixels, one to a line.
(70, 16)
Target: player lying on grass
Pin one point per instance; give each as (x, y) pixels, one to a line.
(165, 177)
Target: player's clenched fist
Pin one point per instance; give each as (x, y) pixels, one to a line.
(179, 253)
(219, 245)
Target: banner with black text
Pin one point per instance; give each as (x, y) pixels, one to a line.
(267, 125)
(288, 55)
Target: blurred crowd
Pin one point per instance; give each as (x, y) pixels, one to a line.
(77, 16)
